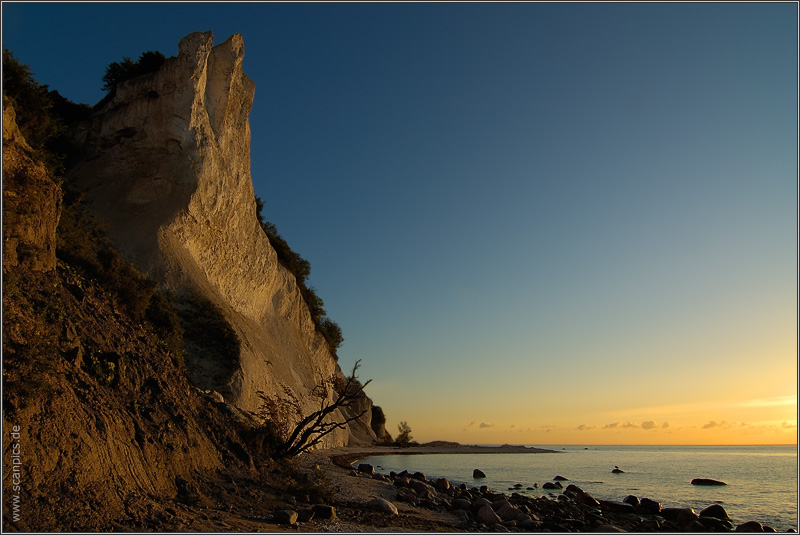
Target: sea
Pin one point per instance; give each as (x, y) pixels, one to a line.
(761, 481)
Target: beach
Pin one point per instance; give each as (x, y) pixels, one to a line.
(428, 505)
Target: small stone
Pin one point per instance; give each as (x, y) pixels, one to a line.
(750, 527)
(616, 507)
(553, 485)
(608, 528)
(382, 506)
(442, 484)
(480, 503)
(477, 474)
(324, 512)
(285, 516)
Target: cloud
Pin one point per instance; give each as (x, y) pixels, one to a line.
(619, 424)
(611, 426)
(664, 425)
(584, 427)
(513, 426)
(649, 425)
(484, 425)
(787, 425)
(471, 424)
(724, 424)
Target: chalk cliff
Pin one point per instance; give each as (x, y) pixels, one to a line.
(167, 168)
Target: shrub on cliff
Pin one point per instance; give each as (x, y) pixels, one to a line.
(301, 269)
(41, 114)
(118, 72)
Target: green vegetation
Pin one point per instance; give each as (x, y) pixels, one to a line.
(42, 117)
(41, 114)
(118, 72)
(207, 331)
(301, 269)
(404, 437)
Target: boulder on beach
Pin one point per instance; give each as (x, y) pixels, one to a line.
(703, 481)
(650, 506)
(366, 468)
(477, 474)
(716, 511)
(631, 499)
(382, 506)
(324, 512)
(750, 527)
(286, 516)
(487, 516)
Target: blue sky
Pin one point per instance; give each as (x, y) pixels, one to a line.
(531, 215)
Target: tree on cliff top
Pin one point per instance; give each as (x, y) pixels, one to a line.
(278, 413)
(118, 72)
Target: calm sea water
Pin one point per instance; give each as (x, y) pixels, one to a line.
(761, 480)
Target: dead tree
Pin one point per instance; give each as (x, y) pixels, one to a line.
(281, 411)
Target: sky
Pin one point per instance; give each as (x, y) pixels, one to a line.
(535, 223)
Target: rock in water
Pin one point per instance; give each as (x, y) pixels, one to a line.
(560, 478)
(477, 474)
(702, 481)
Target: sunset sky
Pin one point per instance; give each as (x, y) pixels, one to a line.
(535, 223)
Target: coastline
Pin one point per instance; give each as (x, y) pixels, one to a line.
(427, 505)
(346, 455)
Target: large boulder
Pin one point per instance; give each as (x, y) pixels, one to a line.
(716, 511)
(382, 506)
(487, 516)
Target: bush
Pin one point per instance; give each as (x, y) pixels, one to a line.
(301, 269)
(41, 115)
(118, 72)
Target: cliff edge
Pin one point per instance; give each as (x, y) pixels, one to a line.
(166, 166)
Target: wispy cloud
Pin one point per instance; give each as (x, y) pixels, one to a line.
(778, 401)
(584, 427)
(484, 425)
(619, 424)
(470, 425)
(787, 425)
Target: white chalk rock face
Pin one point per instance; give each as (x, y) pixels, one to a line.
(167, 168)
